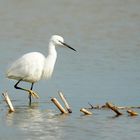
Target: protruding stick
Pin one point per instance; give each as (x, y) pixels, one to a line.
(8, 101)
(132, 113)
(58, 105)
(65, 101)
(86, 112)
(114, 108)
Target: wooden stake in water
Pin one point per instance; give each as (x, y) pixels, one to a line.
(65, 101)
(114, 108)
(58, 105)
(85, 111)
(8, 101)
(132, 113)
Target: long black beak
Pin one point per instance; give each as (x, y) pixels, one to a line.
(67, 46)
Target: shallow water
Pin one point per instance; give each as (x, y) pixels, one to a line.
(105, 68)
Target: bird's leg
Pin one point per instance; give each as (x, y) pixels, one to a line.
(31, 93)
(17, 87)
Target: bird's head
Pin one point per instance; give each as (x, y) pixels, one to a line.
(59, 41)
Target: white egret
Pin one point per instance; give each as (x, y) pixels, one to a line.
(34, 66)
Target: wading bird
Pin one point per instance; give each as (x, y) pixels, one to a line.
(34, 66)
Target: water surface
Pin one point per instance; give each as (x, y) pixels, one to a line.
(105, 68)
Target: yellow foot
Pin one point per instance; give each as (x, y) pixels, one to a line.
(35, 95)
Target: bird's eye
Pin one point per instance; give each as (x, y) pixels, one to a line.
(60, 42)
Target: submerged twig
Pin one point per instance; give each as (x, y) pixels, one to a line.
(93, 107)
(105, 106)
(97, 106)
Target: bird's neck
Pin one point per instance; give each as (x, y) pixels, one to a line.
(49, 62)
(51, 49)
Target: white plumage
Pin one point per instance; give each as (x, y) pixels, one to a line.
(34, 66)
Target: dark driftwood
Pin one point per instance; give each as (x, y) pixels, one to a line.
(96, 106)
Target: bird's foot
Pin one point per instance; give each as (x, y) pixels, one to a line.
(33, 94)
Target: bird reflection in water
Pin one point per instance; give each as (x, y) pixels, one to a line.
(36, 123)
